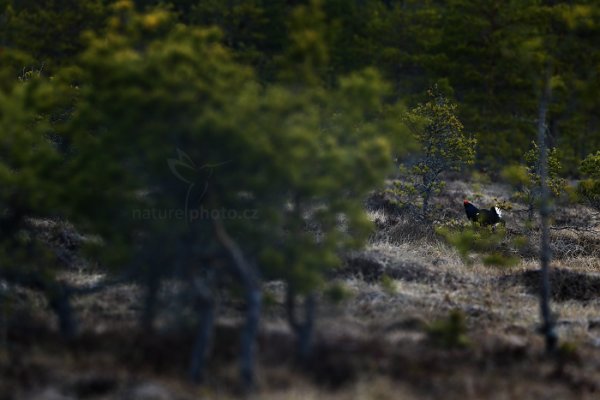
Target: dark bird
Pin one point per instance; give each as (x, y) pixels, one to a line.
(484, 217)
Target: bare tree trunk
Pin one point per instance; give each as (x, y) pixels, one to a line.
(547, 328)
(60, 301)
(530, 211)
(426, 195)
(425, 210)
(250, 281)
(303, 330)
(253, 302)
(150, 302)
(57, 294)
(206, 316)
(3, 318)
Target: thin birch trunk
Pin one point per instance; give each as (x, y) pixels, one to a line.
(547, 328)
(302, 329)
(250, 281)
(57, 294)
(150, 302)
(204, 305)
(60, 302)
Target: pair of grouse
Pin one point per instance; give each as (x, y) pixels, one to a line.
(483, 216)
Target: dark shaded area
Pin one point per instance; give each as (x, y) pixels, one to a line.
(370, 268)
(380, 200)
(565, 284)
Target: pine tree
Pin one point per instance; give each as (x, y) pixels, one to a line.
(269, 180)
(444, 146)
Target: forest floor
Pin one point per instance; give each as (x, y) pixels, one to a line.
(377, 344)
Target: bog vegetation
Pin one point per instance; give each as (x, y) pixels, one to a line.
(217, 148)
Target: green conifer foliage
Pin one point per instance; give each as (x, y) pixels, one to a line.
(589, 187)
(168, 121)
(526, 178)
(444, 146)
(30, 196)
(47, 34)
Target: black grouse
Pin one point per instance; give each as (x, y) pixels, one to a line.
(484, 217)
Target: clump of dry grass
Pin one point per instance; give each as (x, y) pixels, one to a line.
(368, 267)
(568, 244)
(62, 239)
(405, 230)
(565, 244)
